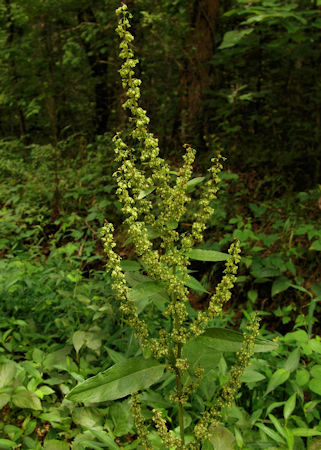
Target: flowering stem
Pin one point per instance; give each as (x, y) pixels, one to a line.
(179, 395)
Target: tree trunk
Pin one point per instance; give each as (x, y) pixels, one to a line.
(196, 77)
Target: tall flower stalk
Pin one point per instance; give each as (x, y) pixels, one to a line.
(154, 198)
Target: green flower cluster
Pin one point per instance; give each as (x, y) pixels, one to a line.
(155, 198)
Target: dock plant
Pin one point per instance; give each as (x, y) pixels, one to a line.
(166, 226)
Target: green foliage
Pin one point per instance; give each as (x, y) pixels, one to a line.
(265, 62)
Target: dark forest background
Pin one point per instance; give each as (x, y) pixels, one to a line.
(244, 72)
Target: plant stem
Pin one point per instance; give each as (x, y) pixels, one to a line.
(179, 396)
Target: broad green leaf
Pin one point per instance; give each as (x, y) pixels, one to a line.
(289, 406)
(105, 439)
(280, 285)
(300, 336)
(226, 340)
(200, 254)
(116, 357)
(232, 38)
(93, 340)
(316, 245)
(118, 381)
(145, 290)
(221, 438)
(271, 433)
(292, 361)
(53, 416)
(198, 353)
(141, 293)
(315, 385)
(26, 399)
(44, 390)
(54, 444)
(252, 376)
(88, 444)
(4, 398)
(6, 443)
(57, 358)
(279, 377)
(87, 417)
(13, 432)
(302, 376)
(316, 371)
(154, 399)
(7, 373)
(122, 417)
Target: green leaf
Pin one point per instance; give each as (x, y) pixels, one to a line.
(87, 417)
(57, 358)
(6, 443)
(306, 432)
(252, 296)
(302, 377)
(316, 371)
(194, 284)
(252, 376)
(198, 353)
(279, 377)
(289, 406)
(221, 438)
(277, 425)
(130, 266)
(54, 444)
(13, 432)
(226, 340)
(4, 398)
(105, 439)
(145, 290)
(116, 357)
(292, 361)
(78, 340)
(7, 373)
(315, 386)
(118, 381)
(26, 399)
(316, 245)
(122, 417)
(200, 254)
(143, 193)
(232, 38)
(280, 285)
(271, 433)
(141, 293)
(191, 184)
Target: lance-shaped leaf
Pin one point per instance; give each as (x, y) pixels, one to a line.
(225, 340)
(118, 381)
(201, 254)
